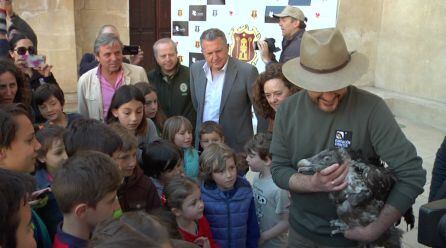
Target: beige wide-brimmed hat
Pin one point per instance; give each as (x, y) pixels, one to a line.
(325, 64)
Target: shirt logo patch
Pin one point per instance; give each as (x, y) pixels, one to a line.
(343, 139)
(183, 87)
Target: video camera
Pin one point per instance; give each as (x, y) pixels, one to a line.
(432, 224)
(271, 45)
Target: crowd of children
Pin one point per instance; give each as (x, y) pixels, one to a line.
(130, 178)
(119, 182)
(100, 182)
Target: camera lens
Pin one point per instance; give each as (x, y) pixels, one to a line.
(256, 46)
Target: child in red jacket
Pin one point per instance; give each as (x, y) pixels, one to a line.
(183, 199)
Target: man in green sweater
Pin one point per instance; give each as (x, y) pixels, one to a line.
(171, 80)
(331, 113)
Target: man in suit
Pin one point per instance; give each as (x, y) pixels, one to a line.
(221, 90)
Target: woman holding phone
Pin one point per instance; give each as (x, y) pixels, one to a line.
(26, 59)
(32, 65)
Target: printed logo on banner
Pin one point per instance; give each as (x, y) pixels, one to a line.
(197, 44)
(214, 12)
(180, 28)
(180, 12)
(270, 11)
(180, 59)
(254, 14)
(216, 2)
(194, 57)
(242, 46)
(197, 13)
(299, 2)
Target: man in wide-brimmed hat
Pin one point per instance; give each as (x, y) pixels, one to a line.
(292, 23)
(332, 113)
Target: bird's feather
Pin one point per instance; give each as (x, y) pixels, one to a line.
(361, 201)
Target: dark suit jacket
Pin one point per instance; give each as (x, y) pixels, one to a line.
(236, 101)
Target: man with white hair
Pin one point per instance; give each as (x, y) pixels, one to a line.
(171, 80)
(96, 87)
(88, 60)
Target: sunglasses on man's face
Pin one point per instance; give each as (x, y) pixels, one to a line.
(22, 50)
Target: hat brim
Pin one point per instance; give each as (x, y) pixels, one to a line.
(279, 15)
(324, 82)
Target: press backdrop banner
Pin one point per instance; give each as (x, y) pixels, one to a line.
(244, 22)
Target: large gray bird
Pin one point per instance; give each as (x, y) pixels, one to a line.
(362, 200)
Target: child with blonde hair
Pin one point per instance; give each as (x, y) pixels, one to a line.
(228, 199)
(183, 199)
(179, 130)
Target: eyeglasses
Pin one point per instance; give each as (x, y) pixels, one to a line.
(22, 50)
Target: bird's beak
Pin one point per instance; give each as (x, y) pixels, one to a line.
(306, 169)
(303, 163)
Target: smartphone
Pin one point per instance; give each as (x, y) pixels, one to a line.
(34, 61)
(38, 196)
(130, 50)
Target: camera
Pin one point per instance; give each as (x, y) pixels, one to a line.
(130, 50)
(432, 224)
(271, 45)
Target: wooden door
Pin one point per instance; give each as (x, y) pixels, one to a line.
(149, 21)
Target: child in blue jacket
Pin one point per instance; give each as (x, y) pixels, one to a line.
(228, 199)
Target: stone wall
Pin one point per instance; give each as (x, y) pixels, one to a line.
(53, 22)
(412, 48)
(91, 15)
(404, 40)
(360, 27)
(66, 29)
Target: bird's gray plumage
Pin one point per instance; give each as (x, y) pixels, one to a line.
(361, 201)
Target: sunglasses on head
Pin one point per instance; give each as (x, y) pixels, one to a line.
(22, 50)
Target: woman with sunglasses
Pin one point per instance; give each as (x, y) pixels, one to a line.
(16, 25)
(21, 46)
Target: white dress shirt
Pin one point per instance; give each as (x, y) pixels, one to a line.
(214, 90)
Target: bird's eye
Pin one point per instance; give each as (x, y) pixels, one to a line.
(327, 158)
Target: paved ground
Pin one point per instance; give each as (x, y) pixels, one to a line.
(427, 141)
